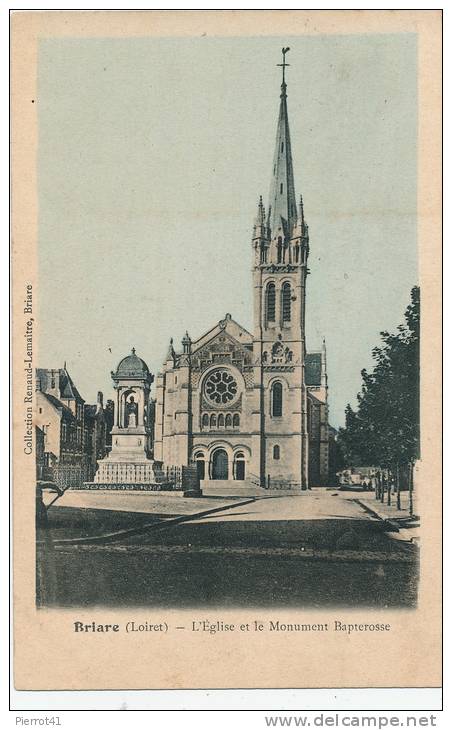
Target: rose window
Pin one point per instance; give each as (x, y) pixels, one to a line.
(221, 387)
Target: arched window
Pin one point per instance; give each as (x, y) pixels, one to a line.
(281, 188)
(205, 421)
(286, 301)
(271, 302)
(276, 400)
(297, 253)
(228, 421)
(213, 421)
(276, 452)
(282, 146)
(236, 420)
(279, 250)
(221, 421)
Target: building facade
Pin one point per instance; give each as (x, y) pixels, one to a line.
(96, 429)
(73, 432)
(253, 406)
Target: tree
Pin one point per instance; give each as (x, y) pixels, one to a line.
(109, 420)
(384, 428)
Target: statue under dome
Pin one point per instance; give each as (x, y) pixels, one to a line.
(129, 460)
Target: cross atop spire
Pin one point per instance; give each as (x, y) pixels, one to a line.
(282, 212)
(283, 65)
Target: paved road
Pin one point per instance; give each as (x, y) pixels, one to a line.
(318, 549)
(86, 513)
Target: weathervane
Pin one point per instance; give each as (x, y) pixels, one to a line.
(284, 64)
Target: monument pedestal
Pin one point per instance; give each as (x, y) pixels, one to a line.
(120, 472)
(128, 463)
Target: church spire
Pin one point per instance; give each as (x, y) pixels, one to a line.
(259, 223)
(282, 203)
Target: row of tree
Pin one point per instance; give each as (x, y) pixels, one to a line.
(383, 430)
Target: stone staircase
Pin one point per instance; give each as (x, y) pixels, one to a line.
(231, 488)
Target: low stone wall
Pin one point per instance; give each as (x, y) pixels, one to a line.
(281, 485)
(163, 487)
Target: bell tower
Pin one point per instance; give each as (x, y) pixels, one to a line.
(280, 250)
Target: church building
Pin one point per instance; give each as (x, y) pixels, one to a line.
(253, 406)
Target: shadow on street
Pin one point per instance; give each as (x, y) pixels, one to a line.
(268, 563)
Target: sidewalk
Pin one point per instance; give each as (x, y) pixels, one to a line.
(409, 527)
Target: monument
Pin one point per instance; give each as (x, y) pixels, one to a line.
(129, 460)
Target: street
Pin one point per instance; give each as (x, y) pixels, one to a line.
(315, 549)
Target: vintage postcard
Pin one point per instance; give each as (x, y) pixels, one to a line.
(226, 266)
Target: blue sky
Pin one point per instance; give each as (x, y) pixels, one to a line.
(152, 156)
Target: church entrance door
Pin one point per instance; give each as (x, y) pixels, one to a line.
(220, 465)
(240, 468)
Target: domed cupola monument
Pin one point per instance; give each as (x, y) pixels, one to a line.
(129, 460)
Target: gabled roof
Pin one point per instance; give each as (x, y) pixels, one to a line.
(58, 405)
(230, 327)
(314, 398)
(67, 387)
(313, 368)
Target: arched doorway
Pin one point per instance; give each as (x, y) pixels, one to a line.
(220, 464)
(240, 466)
(200, 465)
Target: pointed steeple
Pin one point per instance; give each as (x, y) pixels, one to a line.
(260, 226)
(301, 223)
(260, 216)
(170, 354)
(282, 202)
(301, 211)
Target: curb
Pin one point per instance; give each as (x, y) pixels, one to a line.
(391, 523)
(113, 536)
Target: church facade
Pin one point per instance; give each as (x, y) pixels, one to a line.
(253, 406)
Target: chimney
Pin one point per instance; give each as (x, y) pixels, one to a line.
(100, 401)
